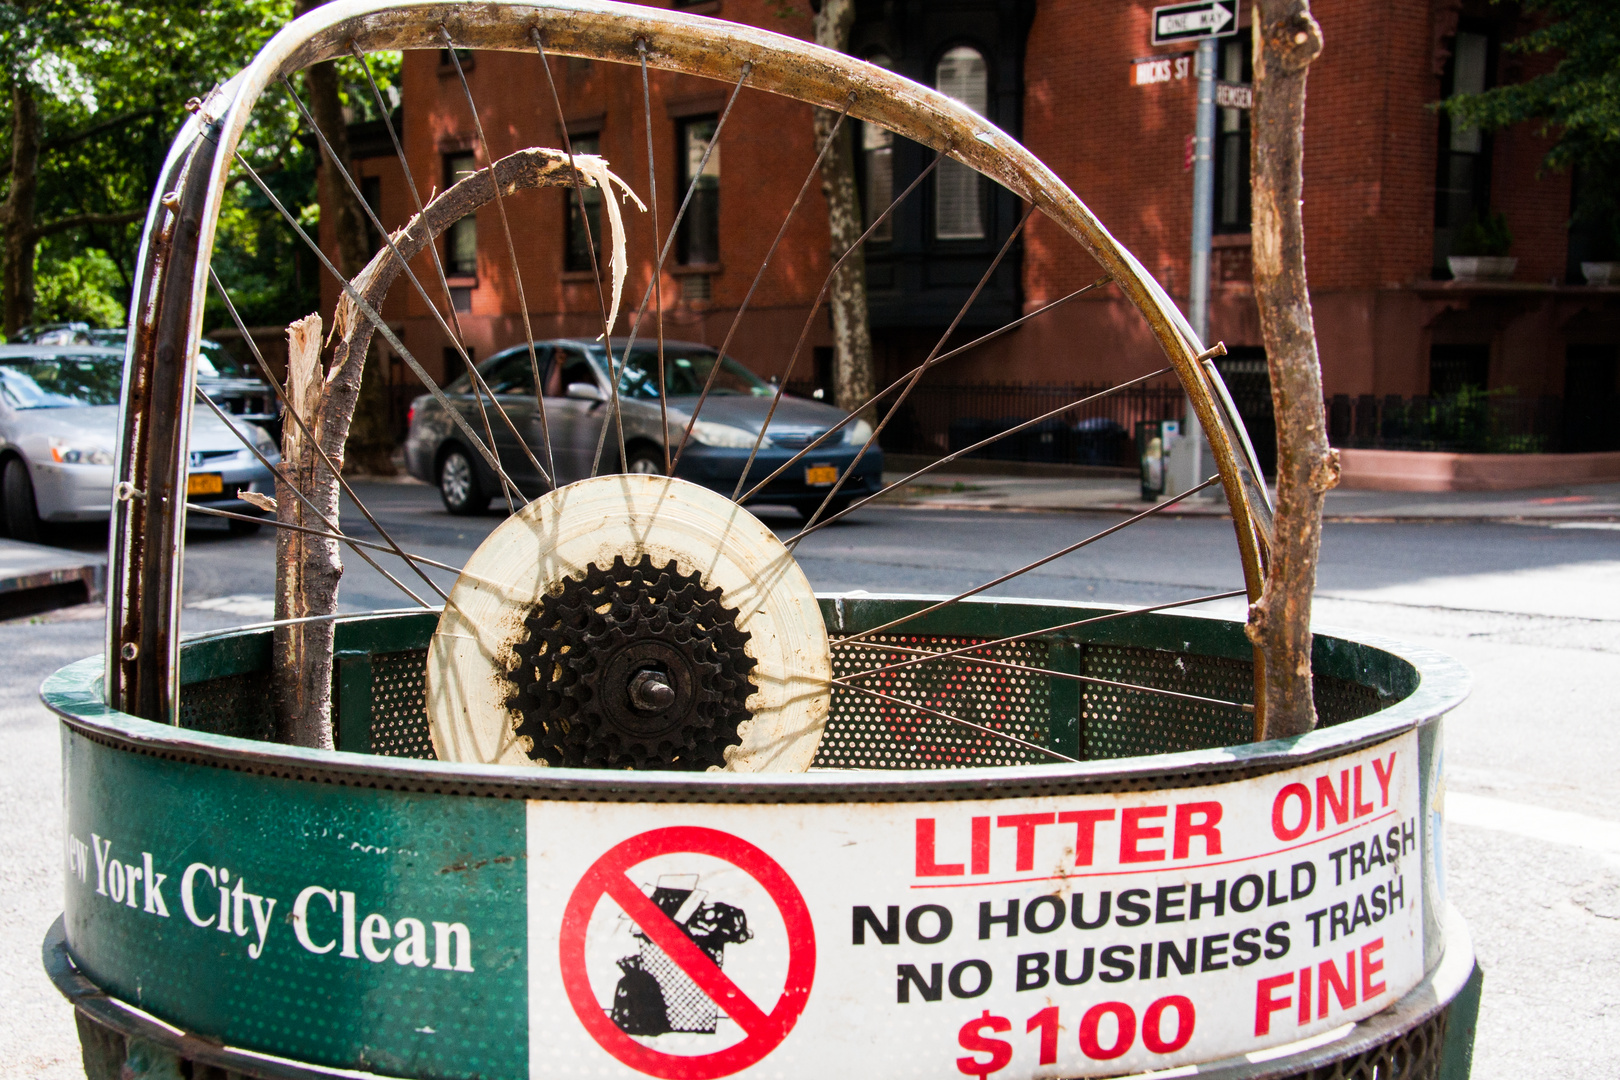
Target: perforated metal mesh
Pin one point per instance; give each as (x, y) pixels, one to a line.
(1415, 1054)
(1125, 723)
(236, 705)
(399, 725)
(864, 732)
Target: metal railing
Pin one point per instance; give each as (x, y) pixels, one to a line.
(1472, 421)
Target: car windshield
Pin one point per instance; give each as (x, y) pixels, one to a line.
(60, 382)
(686, 369)
(214, 360)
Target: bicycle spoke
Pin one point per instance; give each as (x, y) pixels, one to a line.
(343, 538)
(1071, 549)
(981, 444)
(517, 275)
(894, 409)
(680, 213)
(759, 275)
(925, 655)
(279, 475)
(846, 684)
(590, 248)
(658, 277)
(287, 406)
(388, 240)
(372, 316)
(809, 320)
(879, 396)
(669, 242)
(459, 337)
(862, 638)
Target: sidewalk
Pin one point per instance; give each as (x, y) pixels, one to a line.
(36, 578)
(1584, 503)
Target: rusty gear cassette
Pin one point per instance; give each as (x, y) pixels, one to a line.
(633, 622)
(636, 665)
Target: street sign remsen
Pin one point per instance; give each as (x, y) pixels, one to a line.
(1192, 22)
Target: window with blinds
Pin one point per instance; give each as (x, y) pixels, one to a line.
(959, 199)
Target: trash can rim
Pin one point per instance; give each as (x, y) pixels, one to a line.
(75, 694)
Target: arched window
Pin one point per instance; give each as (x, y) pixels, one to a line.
(958, 208)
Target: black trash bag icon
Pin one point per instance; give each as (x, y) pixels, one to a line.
(654, 996)
(638, 1001)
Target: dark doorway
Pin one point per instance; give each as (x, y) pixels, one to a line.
(1248, 380)
(1591, 398)
(1452, 367)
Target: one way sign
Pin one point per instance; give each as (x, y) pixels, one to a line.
(1190, 22)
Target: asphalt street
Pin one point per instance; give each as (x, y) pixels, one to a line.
(1533, 610)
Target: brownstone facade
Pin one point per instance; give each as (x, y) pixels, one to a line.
(1059, 77)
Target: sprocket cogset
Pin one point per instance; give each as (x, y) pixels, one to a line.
(635, 666)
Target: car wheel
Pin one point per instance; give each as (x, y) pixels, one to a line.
(458, 485)
(646, 461)
(17, 494)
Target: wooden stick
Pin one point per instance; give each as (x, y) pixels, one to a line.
(1286, 40)
(307, 566)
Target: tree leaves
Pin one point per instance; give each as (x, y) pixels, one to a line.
(1578, 100)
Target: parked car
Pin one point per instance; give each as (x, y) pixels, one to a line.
(577, 394)
(58, 333)
(58, 430)
(231, 384)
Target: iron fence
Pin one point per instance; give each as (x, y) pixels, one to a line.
(1470, 421)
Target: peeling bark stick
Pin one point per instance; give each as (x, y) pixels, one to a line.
(1286, 40)
(308, 567)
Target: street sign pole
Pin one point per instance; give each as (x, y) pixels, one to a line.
(1203, 214)
(1186, 464)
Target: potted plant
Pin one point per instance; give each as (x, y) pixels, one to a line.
(1602, 267)
(1481, 248)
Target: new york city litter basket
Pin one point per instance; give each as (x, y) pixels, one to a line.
(935, 897)
(926, 902)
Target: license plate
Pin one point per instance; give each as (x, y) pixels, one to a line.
(821, 475)
(208, 483)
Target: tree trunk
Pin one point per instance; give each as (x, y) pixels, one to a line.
(348, 219)
(854, 380)
(371, 442)
(1286, 40)
(17, 212)
(307, 567)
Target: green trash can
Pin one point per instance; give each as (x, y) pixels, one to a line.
(927, 898)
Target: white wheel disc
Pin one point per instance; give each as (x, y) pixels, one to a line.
(558, 537)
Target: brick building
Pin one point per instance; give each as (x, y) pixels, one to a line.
(1388, 185)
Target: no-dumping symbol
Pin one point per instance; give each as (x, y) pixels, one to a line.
(764, 1027)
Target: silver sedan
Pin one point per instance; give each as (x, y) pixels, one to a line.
(576, 394)
(58, 430)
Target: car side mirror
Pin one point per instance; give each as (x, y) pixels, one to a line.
(584, 391)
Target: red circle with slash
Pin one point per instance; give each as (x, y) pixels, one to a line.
(607, 877)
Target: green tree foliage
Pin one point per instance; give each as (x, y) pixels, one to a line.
(96, 91)
(1577, 102)
(82, 286)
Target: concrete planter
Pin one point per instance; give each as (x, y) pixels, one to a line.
(1482, 267)
(1424, 470)
(1601, 273)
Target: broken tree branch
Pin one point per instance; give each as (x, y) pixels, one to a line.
(1286, 40)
